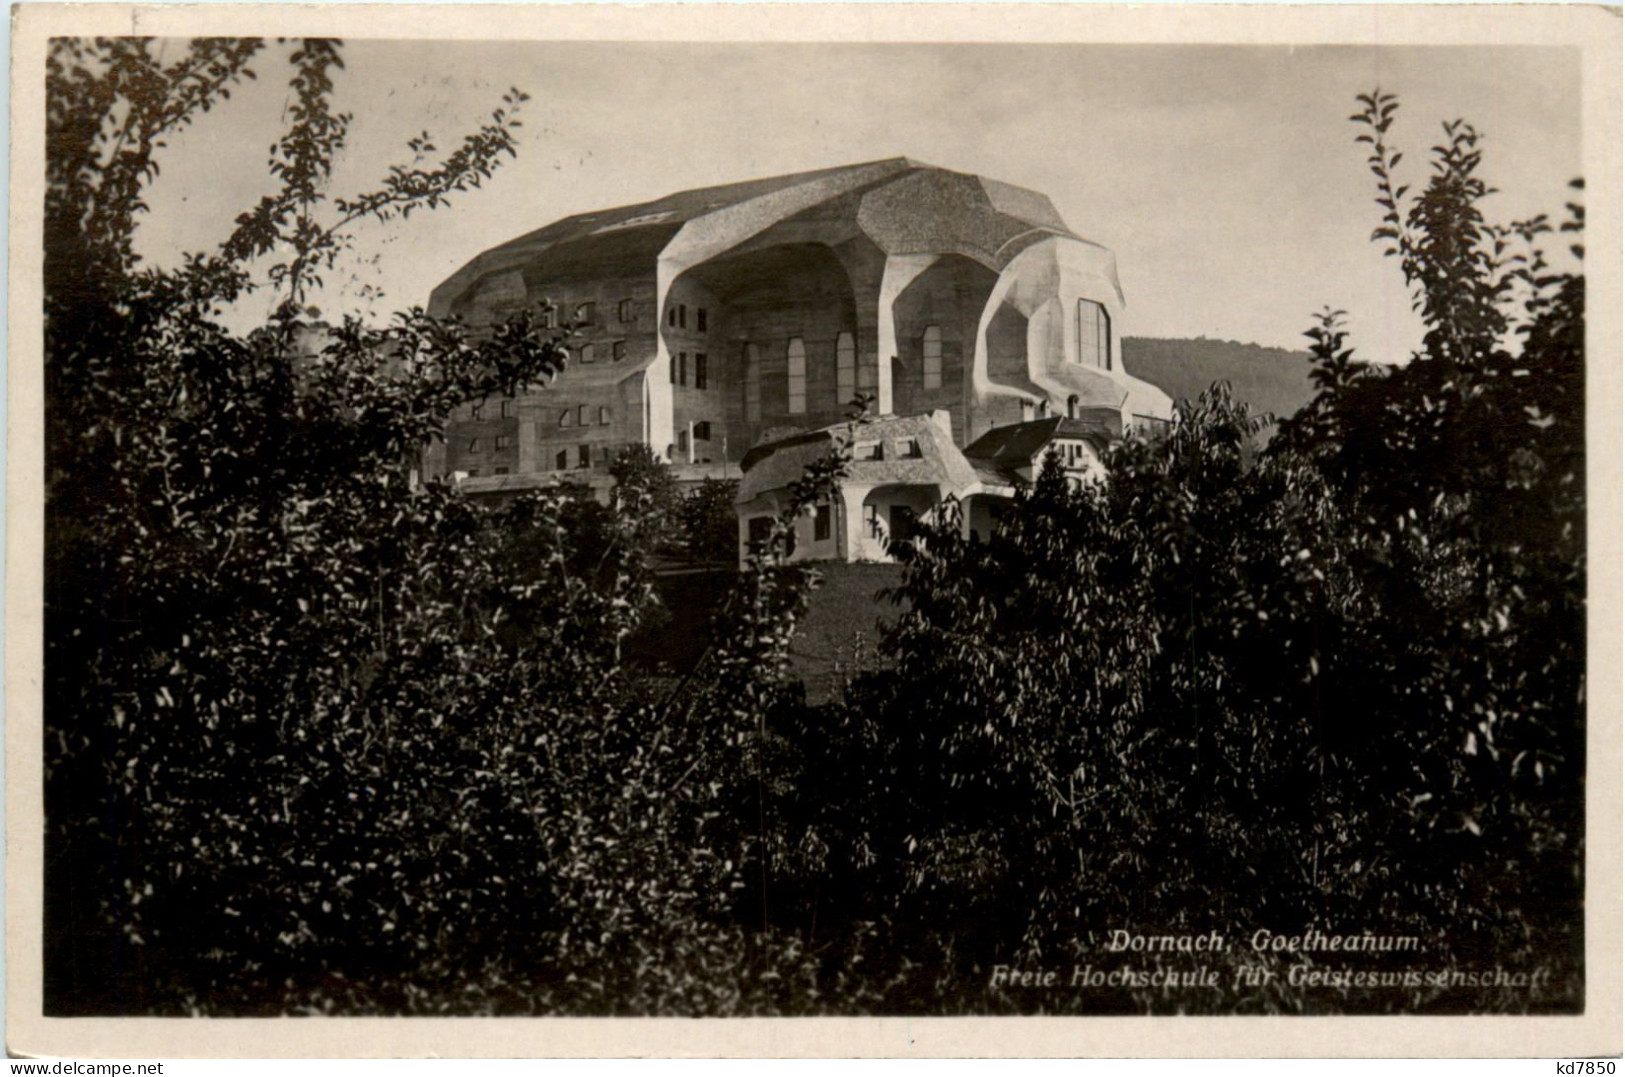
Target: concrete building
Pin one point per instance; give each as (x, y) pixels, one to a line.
(903, 470)
(711, 320)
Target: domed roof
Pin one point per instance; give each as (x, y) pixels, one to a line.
(902, 205)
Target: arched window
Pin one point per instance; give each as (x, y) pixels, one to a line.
(796, 361)
(1043, 409)
(1072, 406)
(753, 384)
(846, 369)
(1094, 335)
(932, 348)
(587, 355)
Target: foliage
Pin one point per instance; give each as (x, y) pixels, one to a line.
(317, 737)
(1339, 690)
(707, 522)
(320, 738)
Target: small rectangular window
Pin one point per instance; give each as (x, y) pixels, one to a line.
(501, 471)
(501, 442)
(699, 319)
(702, 431)
(561, 460)
(906, 449)
(584, 455)
(699, 370)
(796, 358)
(473, 472)
(564, 418)
(932, 346)
(821, 524)
(753, 383)
(869, 450)
(473, 445)
(588, 355)
(627, 312)
(846, 377)
(603, 416)
(617, 350)
(507, 409)
(760, 527)
(585, 313)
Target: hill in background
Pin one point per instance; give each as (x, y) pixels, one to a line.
(1270, 380)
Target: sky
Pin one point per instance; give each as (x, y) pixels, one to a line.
(1226, 178)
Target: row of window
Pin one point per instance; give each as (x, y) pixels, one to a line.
(679, 369)
(579, 416)
(586, 314)
(590, 353)
(677, 318)
(506, 410)
(848, 378)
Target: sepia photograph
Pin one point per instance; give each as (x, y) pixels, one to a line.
(578, 517)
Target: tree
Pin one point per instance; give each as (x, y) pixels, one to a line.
(319, 737)
(1338, 688)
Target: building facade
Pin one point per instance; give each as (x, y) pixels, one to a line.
(710, 321)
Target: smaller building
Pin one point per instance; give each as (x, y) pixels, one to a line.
(1017, 452)
(902, 471)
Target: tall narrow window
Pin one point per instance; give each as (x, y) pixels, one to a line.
(671, 317)
(753, 384)
(682, 316)
(507, 409)
(821, 524)
(603, 416)
(682, 368)
(932, 350)
(1094, 335)
(796, 356)
(699, 319)
(617, 350)
(846, 369)
(699, 370)
(581, 415)
(584, 455)
(561, 460)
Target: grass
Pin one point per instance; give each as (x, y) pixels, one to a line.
(839, 633)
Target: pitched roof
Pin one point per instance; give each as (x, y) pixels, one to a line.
(1015, 445)
(777, 465)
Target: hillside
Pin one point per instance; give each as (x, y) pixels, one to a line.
(1270, 380)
